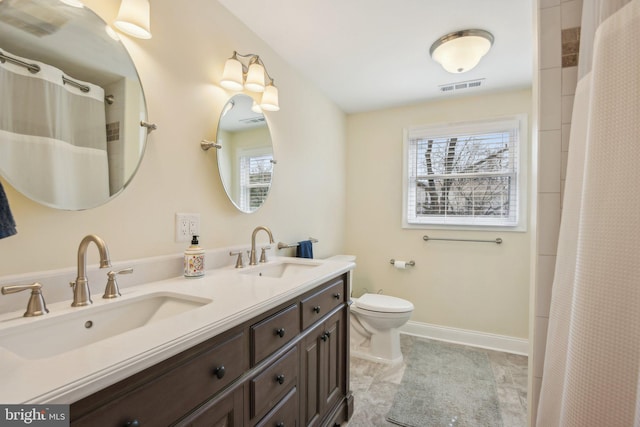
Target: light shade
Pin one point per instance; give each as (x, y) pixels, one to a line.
(232, 74)
(269, 100)
(461, 51)
(255, 78)
(134, 18)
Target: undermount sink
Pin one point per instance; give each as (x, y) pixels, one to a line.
(52, 336)
(281, 270)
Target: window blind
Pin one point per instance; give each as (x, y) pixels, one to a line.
(464, 174)
(255, 180)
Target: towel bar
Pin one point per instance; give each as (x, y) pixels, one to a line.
(497, 240)
(293, 245)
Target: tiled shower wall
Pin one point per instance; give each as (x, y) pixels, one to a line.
(558, 32)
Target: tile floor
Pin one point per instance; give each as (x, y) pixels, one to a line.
(374, 386)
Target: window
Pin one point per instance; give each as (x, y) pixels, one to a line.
(467, 174)
(255, 179)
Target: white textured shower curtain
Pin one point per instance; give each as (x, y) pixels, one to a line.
(53, 145)
(592, 363)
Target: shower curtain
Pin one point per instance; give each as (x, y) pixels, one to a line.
(592, 363)
(53, 145)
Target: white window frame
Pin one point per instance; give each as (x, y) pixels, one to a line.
(519, 220)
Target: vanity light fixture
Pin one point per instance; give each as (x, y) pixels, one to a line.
(460, 51)
(134, 18)
(253, 76)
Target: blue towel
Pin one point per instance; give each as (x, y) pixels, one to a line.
(304, 249)
(7, 224)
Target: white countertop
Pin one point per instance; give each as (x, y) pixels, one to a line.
(70, 376)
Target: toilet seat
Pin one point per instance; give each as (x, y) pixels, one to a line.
(383, 303)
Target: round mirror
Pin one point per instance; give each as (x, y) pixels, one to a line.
(245, 161)
(71, 105)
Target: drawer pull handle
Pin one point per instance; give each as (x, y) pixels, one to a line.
(280, 332)
(219, 372)
(337, 295)
(280, 379)
(280, 424)
(134, 423)
(325, 336)
(316, 309)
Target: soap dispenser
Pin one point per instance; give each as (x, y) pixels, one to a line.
(194, 260)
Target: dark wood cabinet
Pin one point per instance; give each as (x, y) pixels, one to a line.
(223, 411)
(287, 366)
(323, 368)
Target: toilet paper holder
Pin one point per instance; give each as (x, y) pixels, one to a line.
(411, 263)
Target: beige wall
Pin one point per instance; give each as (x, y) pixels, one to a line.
(475, 286)
(180, 68)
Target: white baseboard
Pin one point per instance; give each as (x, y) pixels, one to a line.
(463, 336)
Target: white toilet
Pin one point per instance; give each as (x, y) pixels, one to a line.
(375, 320)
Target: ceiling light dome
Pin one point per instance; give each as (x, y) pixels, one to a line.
(460, 51)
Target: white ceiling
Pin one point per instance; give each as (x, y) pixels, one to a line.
(372, 54)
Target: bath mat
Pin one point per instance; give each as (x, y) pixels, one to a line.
(446, 386)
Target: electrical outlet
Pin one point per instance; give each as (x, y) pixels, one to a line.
(187, 225)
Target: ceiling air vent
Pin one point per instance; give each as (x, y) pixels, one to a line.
(252, 120)
(453, 87)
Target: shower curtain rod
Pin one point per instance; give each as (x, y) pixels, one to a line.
(73, 83)
(35, 68)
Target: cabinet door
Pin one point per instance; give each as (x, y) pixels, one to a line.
(322, 367)
(220, 412)
(310, 377)
(332, 361)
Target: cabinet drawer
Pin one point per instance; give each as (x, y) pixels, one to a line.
(319, 304)
(177, 391)
(284, 414)
(274, 332)
(268, 387)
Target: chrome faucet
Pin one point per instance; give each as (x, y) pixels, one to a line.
(252, 256)
(81, 292)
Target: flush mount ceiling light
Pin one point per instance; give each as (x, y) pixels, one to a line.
(251, 75)
(460, 51)
(134, 18)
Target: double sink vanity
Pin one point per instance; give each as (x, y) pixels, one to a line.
(262, 345)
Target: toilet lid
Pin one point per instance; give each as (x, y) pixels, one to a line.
(383, 303)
